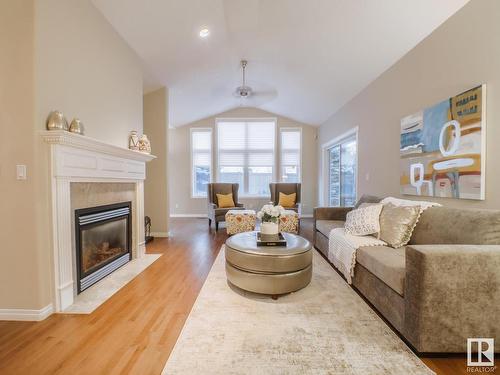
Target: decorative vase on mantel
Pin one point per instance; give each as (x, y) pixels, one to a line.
(144, 144)
(76, 126)
(270, 215)
(133, 141)
(56, 121)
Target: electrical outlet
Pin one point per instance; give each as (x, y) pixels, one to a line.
(21, 172)
(177, 205)
(367, 177)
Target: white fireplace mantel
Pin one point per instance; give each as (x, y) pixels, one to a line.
(77, 158)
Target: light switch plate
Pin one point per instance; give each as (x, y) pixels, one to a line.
(21, 171)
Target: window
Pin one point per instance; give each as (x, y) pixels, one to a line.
(341, 158)
(201, 160)
(246, 154)
(290, 154)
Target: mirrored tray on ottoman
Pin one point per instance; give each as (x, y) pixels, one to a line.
(270, 239)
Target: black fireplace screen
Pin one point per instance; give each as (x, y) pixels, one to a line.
(103, 241)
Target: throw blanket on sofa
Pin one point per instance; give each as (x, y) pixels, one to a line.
(406, 202)
(342, 249)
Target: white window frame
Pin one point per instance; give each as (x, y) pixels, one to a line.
(191, 159)
(280, 164)
(324, 201)
(276, 150)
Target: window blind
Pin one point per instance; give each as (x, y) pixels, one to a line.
(290, 156)
(201, 157)
(246, 154)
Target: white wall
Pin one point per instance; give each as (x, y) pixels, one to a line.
(86, 70)
(179, 175)
(462, 53)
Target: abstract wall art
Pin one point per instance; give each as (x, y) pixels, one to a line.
(443, 148)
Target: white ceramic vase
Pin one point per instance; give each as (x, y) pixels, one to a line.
(133, 141)
(144, 144)
(269, 228)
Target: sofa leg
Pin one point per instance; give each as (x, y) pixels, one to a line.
(216, 225)
(209, 223)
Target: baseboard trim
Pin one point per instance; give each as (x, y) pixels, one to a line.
(308, 216)
(160, 234)
(201, 216)
(25, 314)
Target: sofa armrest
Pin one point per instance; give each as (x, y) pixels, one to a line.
(328, 213)
(240, 205)
(452, 293)
(331, 213)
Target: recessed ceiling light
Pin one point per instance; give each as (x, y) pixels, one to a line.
(204, 33)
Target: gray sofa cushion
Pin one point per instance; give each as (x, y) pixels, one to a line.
(387, 263)
(325, 226)
(443, 225)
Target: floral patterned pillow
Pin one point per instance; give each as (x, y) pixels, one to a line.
(364, 220)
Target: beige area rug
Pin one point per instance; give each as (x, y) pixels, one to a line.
(325, 328)
(91, 298)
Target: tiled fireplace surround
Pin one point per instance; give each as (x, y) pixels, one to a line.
(86, 173)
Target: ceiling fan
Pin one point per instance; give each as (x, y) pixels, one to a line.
(245, 92)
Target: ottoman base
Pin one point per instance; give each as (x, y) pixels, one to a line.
(268, 283)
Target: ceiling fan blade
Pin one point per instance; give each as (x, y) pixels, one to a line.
(268, 93)
(222, 90)
(261, 98)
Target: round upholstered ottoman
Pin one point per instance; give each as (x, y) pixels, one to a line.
(270, 270)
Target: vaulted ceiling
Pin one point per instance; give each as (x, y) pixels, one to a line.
(310, 56)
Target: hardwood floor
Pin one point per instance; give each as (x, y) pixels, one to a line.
(135, 330)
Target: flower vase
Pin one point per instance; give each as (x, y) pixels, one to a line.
(269, 227)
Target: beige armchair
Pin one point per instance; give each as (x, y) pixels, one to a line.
(285, 188)
(215, 213)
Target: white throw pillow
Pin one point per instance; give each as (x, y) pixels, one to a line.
(364, 221)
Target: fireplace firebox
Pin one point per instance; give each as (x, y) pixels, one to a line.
(103, 241)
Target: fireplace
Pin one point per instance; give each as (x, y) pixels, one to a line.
(103, 241)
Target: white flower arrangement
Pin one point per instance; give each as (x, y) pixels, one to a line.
(270, 213)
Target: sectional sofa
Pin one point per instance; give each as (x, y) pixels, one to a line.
(439, 290)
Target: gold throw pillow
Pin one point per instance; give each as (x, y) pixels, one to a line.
(287, 200)
(397, 224)
(225, 200)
